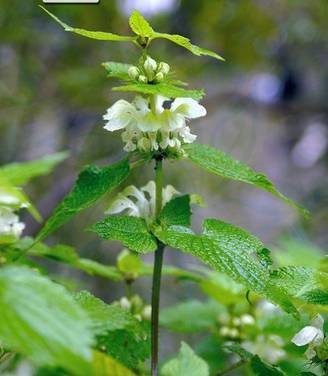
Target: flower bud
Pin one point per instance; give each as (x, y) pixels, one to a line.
(146, 313)
(163, 68)
(150, 65)
(133, 72)
(247, 319)
(142, 79)
(159, 77)
(125, 303)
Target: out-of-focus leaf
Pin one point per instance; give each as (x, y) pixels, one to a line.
(131, 231)
(20, 173)
(219, 163)
(117, 70)
(105, 317)
(104, 365)
(92, 183)
(230, 250)
(41, 320)
(96, 268)
(118, 333)
(100, 35)
(185, 43)
(129, 263)
(139, 25)
(187, 363)
(191, 316)
(165, 89)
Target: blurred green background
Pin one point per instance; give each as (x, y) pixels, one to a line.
(267, 105)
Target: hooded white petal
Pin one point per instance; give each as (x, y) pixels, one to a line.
(122, 203)
(188, 107)
(119, 116)
(9, 223)
(168, 192)
(307, 335)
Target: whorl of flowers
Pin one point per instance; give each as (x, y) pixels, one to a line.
(153, 123)
(140, 202)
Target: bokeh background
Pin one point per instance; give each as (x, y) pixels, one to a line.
(267, 105)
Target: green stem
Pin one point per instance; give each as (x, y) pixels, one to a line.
(157, 272)
(233, 367)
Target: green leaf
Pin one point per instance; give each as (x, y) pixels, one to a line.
(104, 365)
(117, 70)
(131, 231)
(139, 25)
(185, 42)
(59, 252)
(95, 268)
(230, 250)
(187, 363)
(303, 283)
(41, 320)
(176, 212)
(191, 316)
(219, 163)
(105, 317)
(100, 35)
(92, 183)
(259, 366)
(165, 89)
(21, 173)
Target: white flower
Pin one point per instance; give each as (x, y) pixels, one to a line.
(148, 130)
(269, 348)
(9, 223)
(125, 303)
(140, 202)
(311, 335)
(133, 72)
(163, 68)
(150, 67)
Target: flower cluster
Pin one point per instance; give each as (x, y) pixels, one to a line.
(136, 306)
(313, 336)
(9, 222)
(150, 129)
(149, 72)
(140, 202)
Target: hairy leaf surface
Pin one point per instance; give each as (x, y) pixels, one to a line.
(219, 163)
(230, 250)
(131, 231)
(139, 25)
(92, 183)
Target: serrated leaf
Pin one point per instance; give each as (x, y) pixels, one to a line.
(92, 183)
(20, 173)
(191, 316)
(219, 163)
(259, 366)
(187, 363)
(185, 43)
(139, 25)
(230, 250)
(104, 365)
(176, 212)
(41, 320)
(117, 70)
(131, 231)
(100, 35)
(104, 317)
(302, 283)
(118, 333)
(165, 89)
